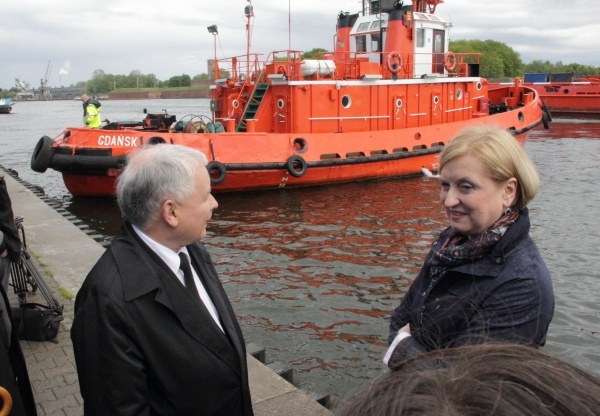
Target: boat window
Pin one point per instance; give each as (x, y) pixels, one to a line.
(399, 102)
(363, 26)
(280, 103)
(459, 94)
(375, 39)
(346, 101)
(420, 37)
(376, 24)
(437, 42)
(436, 99)
(361, 43)
(479, 86)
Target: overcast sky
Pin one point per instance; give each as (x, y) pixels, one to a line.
(169, 38)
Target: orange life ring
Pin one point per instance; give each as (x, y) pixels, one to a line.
(449, 61)
(394, 62)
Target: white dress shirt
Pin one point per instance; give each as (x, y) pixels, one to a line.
(172, 260)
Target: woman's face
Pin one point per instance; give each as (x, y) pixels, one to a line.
(472, 199)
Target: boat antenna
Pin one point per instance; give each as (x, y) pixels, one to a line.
(289, 25)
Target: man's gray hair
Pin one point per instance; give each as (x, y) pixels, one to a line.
(154, 174)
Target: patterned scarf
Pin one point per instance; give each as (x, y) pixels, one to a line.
(457, 249)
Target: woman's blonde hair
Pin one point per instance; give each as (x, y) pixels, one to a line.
(501, 154)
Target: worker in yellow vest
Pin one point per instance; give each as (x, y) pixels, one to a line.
(91, 112)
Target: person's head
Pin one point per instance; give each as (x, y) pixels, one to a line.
(483, 172)
(166, 188)
(491, 380)
(84, 97)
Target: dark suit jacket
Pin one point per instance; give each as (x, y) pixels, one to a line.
(144, 347)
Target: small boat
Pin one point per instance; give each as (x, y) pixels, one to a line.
(383, 103)
(566, 94)
(6, 105)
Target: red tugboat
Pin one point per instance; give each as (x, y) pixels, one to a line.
(566, 94)
(383, 103)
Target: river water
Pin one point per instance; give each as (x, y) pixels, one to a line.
(314, 274)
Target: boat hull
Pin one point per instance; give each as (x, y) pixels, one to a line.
(568, 99)
(255, 161)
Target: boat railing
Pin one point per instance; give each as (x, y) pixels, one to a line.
(361, 65)
(239, 68)
(287, 65)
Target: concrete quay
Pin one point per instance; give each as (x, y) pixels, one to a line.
(64, 252)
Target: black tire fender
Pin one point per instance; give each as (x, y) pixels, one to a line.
(545, 120)
(217, 172)
(42, 155)
(296, 166)
(155, 140)
(547, 111)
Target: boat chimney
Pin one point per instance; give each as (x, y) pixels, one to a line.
(399, 48)
(342, 44)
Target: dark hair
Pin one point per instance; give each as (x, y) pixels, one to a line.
(475, 380)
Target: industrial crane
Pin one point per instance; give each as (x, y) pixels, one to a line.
(26, 90)
(45, 90)
(23, 85)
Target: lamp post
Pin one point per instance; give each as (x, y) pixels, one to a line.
(213, 31)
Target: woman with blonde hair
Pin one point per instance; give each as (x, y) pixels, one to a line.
(484, 279)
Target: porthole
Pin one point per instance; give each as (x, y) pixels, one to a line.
(399, 102)
(300, 145)
(479, 86)
(436, 99)
(459, 94)
(235, 103)
(566, 91)
(280, 103)
(346, 101)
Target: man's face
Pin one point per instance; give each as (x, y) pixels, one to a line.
(195, 211)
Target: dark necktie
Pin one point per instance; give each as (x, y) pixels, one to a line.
(188, 277)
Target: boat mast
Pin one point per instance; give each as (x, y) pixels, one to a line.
(426, 6)
(249, 11)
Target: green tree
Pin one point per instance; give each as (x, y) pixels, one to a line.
(314, 53)
(497, 59)
(179, 81)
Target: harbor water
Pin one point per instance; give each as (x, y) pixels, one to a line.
(313, 274)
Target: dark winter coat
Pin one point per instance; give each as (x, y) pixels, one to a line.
(143, 346)
(506, 296)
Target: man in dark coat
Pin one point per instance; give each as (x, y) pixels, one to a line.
(147, 340)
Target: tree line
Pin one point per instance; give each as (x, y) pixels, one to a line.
(498, 60)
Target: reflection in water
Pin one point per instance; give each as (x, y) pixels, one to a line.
(315, 273)
(101, 214)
